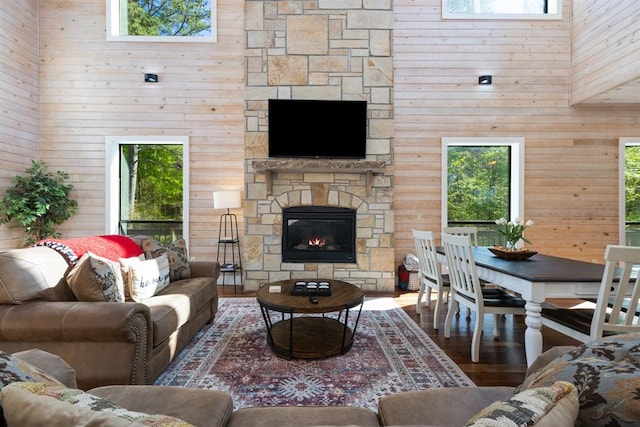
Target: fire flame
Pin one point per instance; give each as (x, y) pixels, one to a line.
(316, 241)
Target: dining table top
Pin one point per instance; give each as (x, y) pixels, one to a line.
(539, 267)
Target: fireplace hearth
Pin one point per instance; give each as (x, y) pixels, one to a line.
(319, 234)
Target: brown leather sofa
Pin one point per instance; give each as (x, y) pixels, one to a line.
(210, 408)
(105, 342)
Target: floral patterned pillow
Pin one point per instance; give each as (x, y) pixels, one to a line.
(32, 403)
(554, 406)
(176, 252)
(606, 373)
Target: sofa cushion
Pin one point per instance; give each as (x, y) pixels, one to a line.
(553, 406)
(96, 279)
(178, 304)
(295, 416)
(606, 373)
(175, 251)
(146, 278)
(203, 408)
(30, 274)
(37, 404)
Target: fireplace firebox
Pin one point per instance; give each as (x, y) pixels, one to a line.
(319, 234)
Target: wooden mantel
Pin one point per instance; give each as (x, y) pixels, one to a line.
(269, 166)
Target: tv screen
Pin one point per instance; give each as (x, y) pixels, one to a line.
(317, 128)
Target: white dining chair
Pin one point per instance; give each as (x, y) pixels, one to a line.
(430, 274)
(616, 307)
(472, 232)
(466, 290)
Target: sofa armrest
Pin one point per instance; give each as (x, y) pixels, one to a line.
(75, 321)
(105, 342)
(205, 269)
(50, 363)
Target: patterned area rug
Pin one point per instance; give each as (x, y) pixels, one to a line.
(390, 354)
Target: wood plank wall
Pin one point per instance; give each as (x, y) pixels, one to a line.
(91, 88)
(605, 51)
(571, 185)
(18, 96)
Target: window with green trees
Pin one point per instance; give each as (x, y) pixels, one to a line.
(161, 20)
(147, 187)
(483, 183)
(632, 194)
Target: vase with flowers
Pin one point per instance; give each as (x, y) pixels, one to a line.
(513, 231)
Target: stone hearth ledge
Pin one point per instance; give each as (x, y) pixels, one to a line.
(269, 166)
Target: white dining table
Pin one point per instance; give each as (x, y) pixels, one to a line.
(536, 279)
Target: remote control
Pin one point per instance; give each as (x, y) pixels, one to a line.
(313, 300)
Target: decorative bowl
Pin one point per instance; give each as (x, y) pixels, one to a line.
(512, 255)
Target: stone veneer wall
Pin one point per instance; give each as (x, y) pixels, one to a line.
(325, 49)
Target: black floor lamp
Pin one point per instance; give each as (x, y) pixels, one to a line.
(229, 255)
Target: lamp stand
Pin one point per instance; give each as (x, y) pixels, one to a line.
(229, 256)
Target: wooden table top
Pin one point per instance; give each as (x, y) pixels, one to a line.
(343, 295)
(539, 268)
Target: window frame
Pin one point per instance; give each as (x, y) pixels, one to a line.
(623, 143)
(517, 170)
(112, 176)
(113, 28)
(530, 16)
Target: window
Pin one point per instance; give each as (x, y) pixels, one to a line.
(502, 9)
(484, 182)
(629, 191)
(147, 186)
(161, 20)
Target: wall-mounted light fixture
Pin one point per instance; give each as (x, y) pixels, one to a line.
(151, 78)
(484, 80)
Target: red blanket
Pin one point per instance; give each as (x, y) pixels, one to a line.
(112, 246)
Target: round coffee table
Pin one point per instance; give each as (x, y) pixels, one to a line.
(301, 329)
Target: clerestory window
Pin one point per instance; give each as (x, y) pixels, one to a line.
(161, 20)
(502, 9)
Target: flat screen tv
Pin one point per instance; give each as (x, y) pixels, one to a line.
(317, 128)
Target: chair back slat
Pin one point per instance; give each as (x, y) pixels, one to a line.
(427, 256)
(463, 274)
(472, 232)
(617, 304)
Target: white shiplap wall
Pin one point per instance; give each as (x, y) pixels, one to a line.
(570, 155)
(18, 97)
(91, 88)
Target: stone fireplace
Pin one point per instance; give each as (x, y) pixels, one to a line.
(325, 49)
(319, 234)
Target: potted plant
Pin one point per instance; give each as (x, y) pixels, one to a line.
(37, 202)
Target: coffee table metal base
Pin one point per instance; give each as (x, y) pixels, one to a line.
(313, 337)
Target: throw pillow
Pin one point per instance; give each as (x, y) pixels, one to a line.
(147, 278)
(176, 252)
(553, 406)
(38, 404)
(96, 279)
(125, 263)
(606, 373)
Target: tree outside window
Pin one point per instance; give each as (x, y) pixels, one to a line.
(161, 20)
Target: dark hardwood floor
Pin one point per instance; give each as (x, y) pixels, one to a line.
(502, 361)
